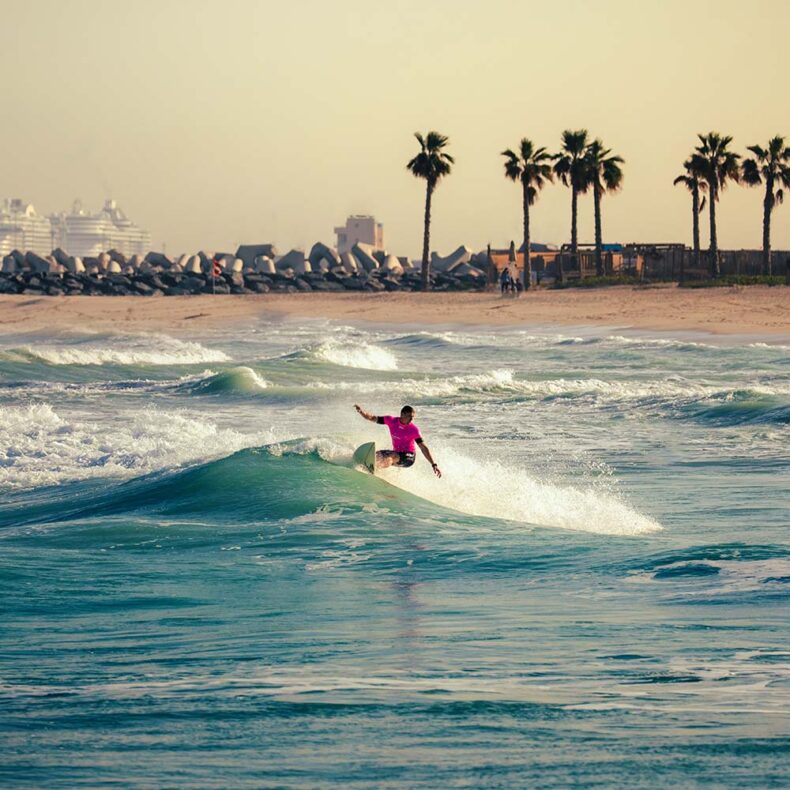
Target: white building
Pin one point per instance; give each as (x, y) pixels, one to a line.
(87, 235)
(22, 229)
(360, 227)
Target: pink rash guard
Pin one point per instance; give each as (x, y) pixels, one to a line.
(403, 436)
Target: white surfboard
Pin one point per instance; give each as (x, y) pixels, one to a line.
(365, 455)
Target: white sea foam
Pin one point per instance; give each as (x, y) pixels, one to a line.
(673, 389)
(356, 355)
(497, 490)
(476, 488)
(127, 350)
(39, 447)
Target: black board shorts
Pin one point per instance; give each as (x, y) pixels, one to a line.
(403, 459)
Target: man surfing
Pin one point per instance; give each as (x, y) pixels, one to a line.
(405, 434)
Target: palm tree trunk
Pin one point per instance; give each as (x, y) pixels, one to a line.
(714, 244)
(574, 234)
(695, 229)
(426, 240)
(767, 208)
(598, 234)
(527, 242)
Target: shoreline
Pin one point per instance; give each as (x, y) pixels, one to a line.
(752, 310)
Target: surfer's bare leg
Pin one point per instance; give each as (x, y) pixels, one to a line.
(385, 458)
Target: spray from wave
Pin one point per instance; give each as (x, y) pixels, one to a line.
(491, 489)
(356, 355)
(39, 447)
(497, 490)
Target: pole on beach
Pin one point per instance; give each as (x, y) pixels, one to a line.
(215, 272)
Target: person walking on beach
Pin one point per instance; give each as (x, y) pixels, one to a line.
(504, 280)
(405, 434)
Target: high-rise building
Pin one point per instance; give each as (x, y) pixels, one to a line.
(22, 229)
(360, 227)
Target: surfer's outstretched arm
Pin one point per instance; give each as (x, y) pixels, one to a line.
(429, 458)
(367, 415)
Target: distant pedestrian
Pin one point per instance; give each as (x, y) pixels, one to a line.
(504, 281)
(519, 287)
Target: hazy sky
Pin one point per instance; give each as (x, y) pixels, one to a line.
(215, 123)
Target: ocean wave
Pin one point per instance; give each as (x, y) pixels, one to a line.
(120, 350)
(475, 488)
(240, 380)
(359, 354)
(39, 447)
(705, 578)
(674, 390)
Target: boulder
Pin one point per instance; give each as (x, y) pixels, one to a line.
(392, 266)
(75, 265)
(349, 263)
(143, 288)
(193, 265)
(9, 265)
(262, 265)
(302, 285)
(291, 260)
(193, 284)
(104, 261)
(249, 252)
(159, 260)
(113, 267)
(38, 264)
(183, 262)
(462, 255)
(61, 256)
(319, 252)
(466, 270)
(118, 256)
(364, 255)
(234, 265)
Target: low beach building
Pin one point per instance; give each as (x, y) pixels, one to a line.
(360, 228)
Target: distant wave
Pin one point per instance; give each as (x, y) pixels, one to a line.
(356, 355)
(671, 391)
(239, 381)
(120, 350)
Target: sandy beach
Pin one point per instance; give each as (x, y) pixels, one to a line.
(755, 310)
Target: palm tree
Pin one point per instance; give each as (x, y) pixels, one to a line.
(605, 175)
(693, 180)
(771, 165)
(572, 171)
(717, 165)
(531, 167)
(431, 164)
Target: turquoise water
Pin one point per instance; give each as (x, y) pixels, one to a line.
(196, 588)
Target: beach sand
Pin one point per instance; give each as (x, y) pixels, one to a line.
(756, 310)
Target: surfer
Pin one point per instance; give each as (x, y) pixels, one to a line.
(405, 434)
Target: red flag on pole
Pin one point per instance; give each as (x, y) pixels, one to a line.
(217, 269)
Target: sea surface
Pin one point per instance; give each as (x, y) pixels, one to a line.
(197, 589)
